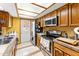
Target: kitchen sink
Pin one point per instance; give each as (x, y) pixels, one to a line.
(5, 40)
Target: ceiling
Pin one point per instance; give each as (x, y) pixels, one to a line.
(31, 10)
(9, 7)
(52, 8)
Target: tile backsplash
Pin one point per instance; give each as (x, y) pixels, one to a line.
(68, 30)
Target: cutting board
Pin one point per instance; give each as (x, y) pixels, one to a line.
(69, 41)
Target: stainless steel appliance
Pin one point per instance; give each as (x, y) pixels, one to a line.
(33, 33)
(54, 33)
(38, 29)
(35, 29)
(47, 40)
(53, 21)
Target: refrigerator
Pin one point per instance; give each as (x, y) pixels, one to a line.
(35, 29)
(33, 34)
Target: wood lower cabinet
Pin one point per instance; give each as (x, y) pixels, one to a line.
(57, 52)
(38, 40)
(65, 54)
(60, 50)
(63, 15)
(74, 14)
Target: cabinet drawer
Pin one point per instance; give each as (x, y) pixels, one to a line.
(66, 50)
(57, 52)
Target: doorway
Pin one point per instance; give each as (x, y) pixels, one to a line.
(25, 31)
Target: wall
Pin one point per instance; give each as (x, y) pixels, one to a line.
(15, 27)
(68, 30)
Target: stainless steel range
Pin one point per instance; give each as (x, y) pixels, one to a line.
(47, 40)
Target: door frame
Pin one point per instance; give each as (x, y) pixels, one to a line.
(20, 28)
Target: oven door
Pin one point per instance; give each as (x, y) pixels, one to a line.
(46, 44)
(43, 50)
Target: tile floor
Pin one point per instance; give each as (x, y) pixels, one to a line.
(27, 49)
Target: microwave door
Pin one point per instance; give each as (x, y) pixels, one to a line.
(54, 22)
(47, 22)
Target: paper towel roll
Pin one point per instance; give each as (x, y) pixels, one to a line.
(76, 30)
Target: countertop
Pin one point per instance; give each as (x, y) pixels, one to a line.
(75, 48)
(40, 34)
(4, 48)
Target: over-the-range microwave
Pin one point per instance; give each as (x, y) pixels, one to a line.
(53, 21)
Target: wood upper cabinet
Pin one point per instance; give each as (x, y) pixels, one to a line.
(1, 17)
(53, 14)
(74, 14)
(10, 21)
(41, 22)
(63, 15)
(38, 21)
(4, 17)
(68, 15)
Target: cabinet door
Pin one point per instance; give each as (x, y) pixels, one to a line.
(6, 19)
(53, 14)
(63, 15)
(65, 54)
(1, 17)
(74, 14)
(10, 21)
(41, 22)
(57, 52)
(38, 41)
